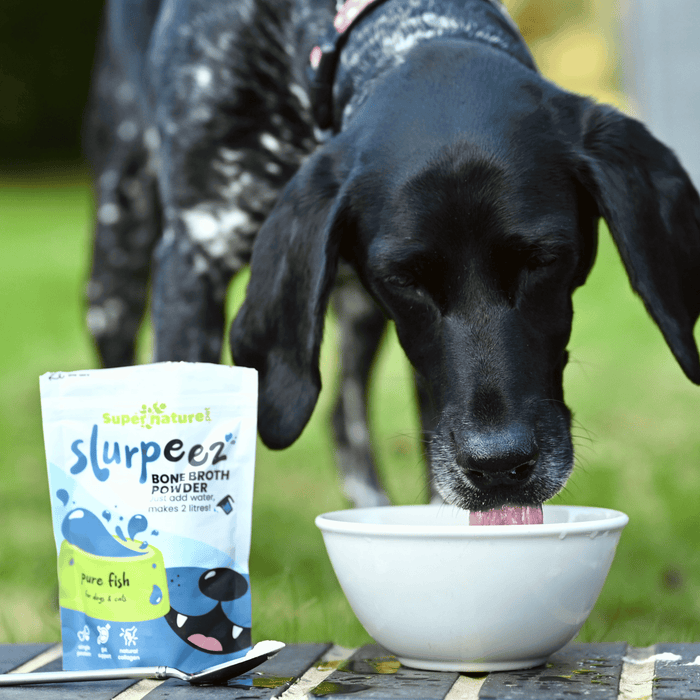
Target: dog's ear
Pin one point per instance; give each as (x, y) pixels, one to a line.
(653, 212)
(279, 328)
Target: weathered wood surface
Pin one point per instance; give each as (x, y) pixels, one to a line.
(679, 678)
(588, 670)
(312, 671)
(372, 673)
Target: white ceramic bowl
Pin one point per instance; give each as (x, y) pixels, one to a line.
(440, 594)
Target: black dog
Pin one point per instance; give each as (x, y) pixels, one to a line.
(455, 191)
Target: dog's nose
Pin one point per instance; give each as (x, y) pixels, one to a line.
(499, 457)
(222, 584)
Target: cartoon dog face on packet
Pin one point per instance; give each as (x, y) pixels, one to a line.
(201, 606)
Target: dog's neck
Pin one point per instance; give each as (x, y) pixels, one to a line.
(382, 39)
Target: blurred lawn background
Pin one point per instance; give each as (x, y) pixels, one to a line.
(635, 412)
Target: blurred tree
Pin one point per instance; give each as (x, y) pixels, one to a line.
(46, 54)
(538, 19)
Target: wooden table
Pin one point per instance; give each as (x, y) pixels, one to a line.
(597, 671)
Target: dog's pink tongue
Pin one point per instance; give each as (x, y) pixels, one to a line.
(507, 515)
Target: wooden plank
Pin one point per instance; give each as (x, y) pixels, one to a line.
(637, 673)
(372, 672)
(317, 673)
(14, 655)
(678, 679)
(94, 690)
(268, 680)
(590, 670)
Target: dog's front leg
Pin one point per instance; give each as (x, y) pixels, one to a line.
(126, 231)
(127, 211)
(188, 298)
(361, 326)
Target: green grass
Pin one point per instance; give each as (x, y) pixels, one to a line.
(636, 426)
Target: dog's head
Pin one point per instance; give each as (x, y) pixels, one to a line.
(466, 192)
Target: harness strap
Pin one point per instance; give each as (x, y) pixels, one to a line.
(324, 58)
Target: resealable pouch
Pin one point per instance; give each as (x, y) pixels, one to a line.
(151, 480)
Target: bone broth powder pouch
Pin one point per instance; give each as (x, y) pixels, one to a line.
(151, 479)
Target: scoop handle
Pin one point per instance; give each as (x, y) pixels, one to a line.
(113, 674)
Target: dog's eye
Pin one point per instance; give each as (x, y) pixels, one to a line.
(402, 281)
(538, 261)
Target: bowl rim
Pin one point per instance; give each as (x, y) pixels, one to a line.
(332, 522)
